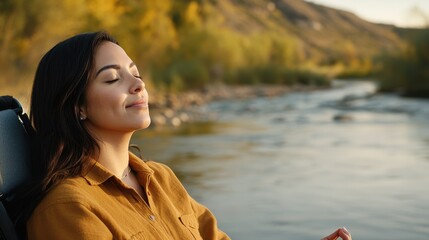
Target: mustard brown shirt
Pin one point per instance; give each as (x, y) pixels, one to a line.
(101, 206)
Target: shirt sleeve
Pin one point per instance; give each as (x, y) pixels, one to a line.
(207, 223)
(66, 221)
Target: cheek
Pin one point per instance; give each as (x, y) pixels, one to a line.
(103, 102)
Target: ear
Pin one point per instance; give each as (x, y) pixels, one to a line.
(81, 113)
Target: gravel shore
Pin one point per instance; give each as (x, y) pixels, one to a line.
(175, 109)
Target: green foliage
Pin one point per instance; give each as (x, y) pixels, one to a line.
(275, 74)
(186, 74)
(408, 71)
(358, 68)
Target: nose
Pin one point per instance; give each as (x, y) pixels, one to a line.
(137, 86)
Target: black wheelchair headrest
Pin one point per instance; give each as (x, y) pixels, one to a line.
(15, 145)
(8, 102)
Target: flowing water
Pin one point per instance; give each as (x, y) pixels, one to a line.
(300, 165)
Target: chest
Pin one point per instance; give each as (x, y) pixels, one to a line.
(161, 214)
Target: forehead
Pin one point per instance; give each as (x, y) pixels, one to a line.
(110, 53)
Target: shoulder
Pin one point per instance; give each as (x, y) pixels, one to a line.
(163, 173)
(69, 191)
(149, 166)
(165, 177)
(159, 167)
(68, 212)
(161, 176)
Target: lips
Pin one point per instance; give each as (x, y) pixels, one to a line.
(139, 103)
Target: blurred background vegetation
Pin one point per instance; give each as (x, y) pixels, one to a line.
(189, 44)
(407, 71)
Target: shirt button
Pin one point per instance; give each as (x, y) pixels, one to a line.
(152, 217)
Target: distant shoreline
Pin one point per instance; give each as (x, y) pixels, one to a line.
(174, 109)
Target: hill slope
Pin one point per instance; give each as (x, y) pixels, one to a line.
(327, 33)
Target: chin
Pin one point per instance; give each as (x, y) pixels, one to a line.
(146, 123)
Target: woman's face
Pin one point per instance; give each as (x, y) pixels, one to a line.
(116, 100)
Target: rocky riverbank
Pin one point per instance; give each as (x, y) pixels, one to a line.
(176, 109)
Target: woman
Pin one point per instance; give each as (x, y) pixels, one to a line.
(87, 100)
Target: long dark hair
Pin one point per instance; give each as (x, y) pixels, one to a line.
(58, 92)
(63, 144)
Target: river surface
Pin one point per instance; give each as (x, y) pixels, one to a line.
(300, 165)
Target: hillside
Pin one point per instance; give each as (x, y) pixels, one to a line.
(326, 33)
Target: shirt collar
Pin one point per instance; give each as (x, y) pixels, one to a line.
(138, 165)
(98, 174)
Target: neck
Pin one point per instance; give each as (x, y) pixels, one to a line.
(114, 154)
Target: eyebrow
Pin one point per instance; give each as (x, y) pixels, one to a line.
(114, 66)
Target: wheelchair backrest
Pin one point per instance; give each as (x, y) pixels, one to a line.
(15, 131)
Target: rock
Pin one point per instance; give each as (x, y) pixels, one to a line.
(158, 120)
(342, 118)
(279, 120)
(175, 122)
(184, 117)
(168, 113)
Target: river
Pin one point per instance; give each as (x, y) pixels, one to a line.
(300, 165)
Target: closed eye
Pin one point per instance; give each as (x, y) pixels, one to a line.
(139, 77)
(112, 81)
